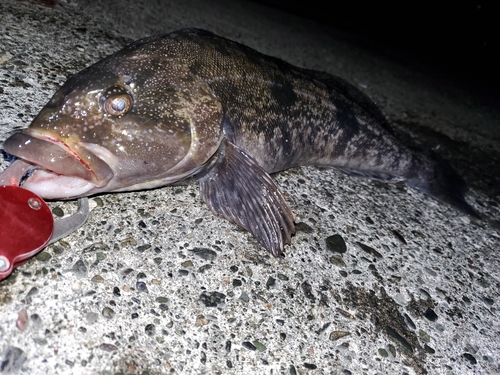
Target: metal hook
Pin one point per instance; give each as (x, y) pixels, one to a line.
(63, 227)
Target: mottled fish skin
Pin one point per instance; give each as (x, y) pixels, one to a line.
(284, 116)
(193, 105)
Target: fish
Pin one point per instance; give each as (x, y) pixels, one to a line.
(194, 107)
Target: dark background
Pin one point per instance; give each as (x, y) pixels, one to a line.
(461, 37)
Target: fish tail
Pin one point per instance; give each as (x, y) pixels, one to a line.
(438, 179)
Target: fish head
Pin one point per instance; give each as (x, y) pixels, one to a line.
(138, 119)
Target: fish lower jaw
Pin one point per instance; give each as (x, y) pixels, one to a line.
(50, 185)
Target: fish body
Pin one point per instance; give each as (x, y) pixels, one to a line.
(191, 105)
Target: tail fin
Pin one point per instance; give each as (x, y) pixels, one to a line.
(439, 180)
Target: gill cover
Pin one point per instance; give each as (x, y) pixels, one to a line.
(204, 113)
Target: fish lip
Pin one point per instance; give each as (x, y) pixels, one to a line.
(57, 156)
(50, 185)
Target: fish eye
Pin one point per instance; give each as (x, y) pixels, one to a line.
(116, 101)
(118, 105)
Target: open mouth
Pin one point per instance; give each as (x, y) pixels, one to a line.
(62, 172)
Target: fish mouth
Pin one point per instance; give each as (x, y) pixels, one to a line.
(59, 162)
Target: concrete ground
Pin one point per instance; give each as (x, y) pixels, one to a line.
(155, 284)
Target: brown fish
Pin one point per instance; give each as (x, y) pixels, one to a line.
(191, 105)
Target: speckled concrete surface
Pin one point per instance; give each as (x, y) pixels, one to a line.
(155, 284)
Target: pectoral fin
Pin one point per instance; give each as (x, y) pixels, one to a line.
(238, 189)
